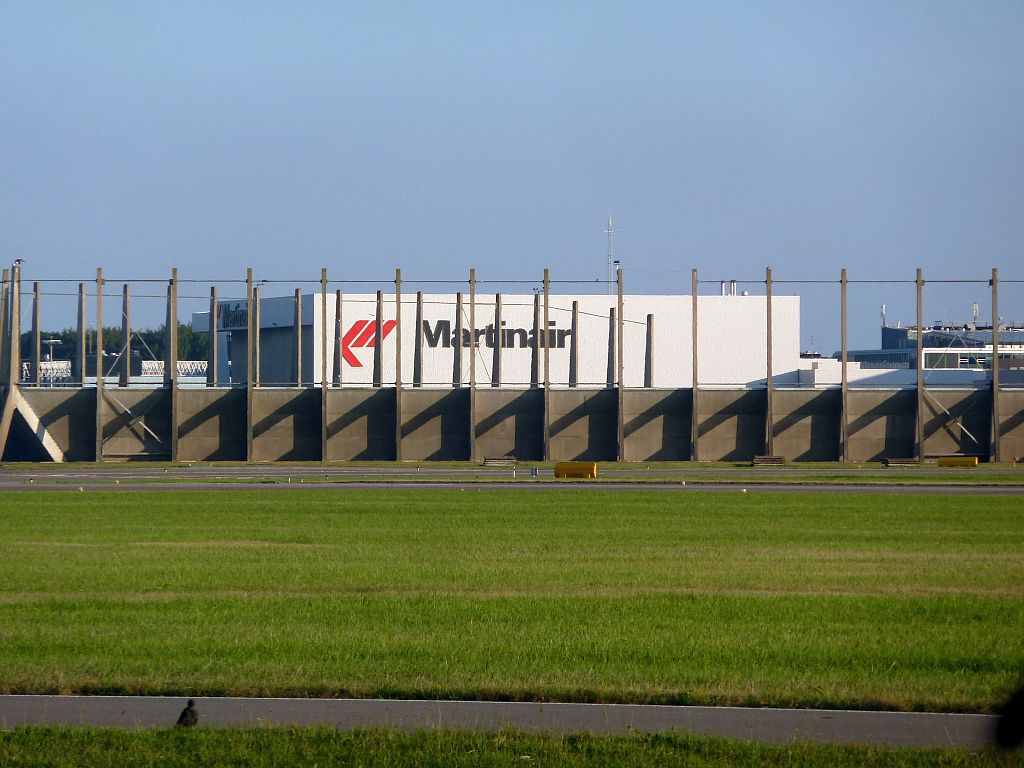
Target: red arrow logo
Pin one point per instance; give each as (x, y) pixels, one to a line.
(347, 339)
(363, 333)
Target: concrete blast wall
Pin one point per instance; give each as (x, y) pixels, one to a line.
(807, 424)
(881, 424)
(510, 422)
(360, 425)
(209, 425)
(69, 416)
(584, 424)
(212, 424)
(466, 376)
(1011, 426)
(656, 424)
(957, 422)
(731, 424)
(136, 423)
(435, 425)
(286, 425)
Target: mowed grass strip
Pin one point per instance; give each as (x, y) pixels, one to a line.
(833, 600)
(82, 748)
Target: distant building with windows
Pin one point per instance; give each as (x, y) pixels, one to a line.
(945, 347)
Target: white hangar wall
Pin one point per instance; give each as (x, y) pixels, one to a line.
(732, 339)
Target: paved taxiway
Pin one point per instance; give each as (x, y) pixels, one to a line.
(775, 726)
(299, 476)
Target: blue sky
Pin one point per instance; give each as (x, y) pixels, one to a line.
(436, 136)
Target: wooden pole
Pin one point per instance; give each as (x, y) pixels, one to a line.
(257, 325)
(472, 364)
(919, 425)
(649, 354)
(323, 327)
(535, 352)
(622, 387)
(36, 351)
(612, 327)
(574, 347)
(323, 364)
(15, 362)
(14, 357)
(338, 327)
(844, 406)
(769, 410)
(417, 345)
(378, 341)
(83, 328)
(457, 343)
(250, 301)
(547, 366)
(124, 369)
(211, 353)
(398, 365)
(5, 326)
(995, 452)
(496, 354)
(99, 364)
(173, 299)
(13, 374)
(694, 357)
(296, 378)
(168, 339)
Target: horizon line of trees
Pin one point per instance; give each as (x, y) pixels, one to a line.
(149, 342)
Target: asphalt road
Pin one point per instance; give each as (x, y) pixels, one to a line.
(285, 477)
(537, 487)
(297, 469)
(774, 726)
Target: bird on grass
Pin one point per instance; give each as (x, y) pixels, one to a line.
(188, 716)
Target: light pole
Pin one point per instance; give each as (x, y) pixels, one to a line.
(49, 358)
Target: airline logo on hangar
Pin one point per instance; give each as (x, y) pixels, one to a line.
(363, 333)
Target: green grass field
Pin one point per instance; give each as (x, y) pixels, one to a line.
(902, 602)
(84, 748)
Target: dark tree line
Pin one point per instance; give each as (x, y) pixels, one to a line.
(150, 343)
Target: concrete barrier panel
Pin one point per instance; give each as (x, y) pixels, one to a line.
(136, 423)
(1011, 427)
(360, 425)
(69, 415)
(510, 423)
(807, 424)
(435, 424)
(584, 424)
(286, 425)
(211, 424)
(957, 421)
(881, 424)
(731, 424)
(657, 424)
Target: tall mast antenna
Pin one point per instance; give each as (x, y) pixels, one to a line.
(611, 253)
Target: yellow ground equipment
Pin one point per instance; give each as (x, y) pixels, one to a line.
(584, 469)
(958, 461)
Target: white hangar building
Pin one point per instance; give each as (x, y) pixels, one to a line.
(657, 340)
